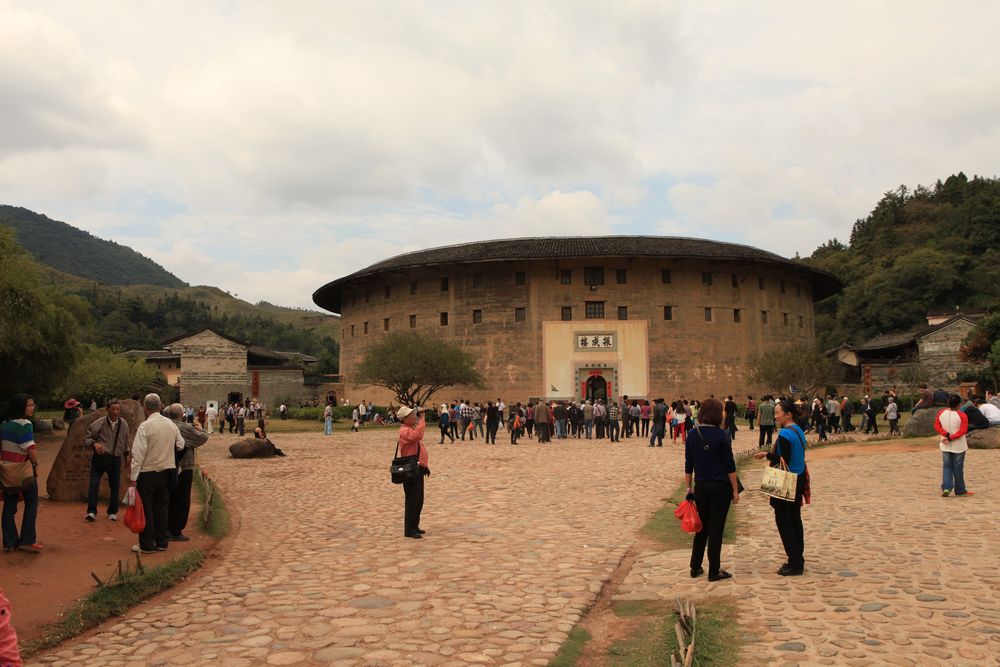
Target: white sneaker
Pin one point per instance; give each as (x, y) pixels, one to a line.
(135, 548)
(113, 517)
(91, 516)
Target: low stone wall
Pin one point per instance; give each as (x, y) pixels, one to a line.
(988, 438)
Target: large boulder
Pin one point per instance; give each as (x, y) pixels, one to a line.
(921, 423)
(70, 474)
(251, 448)
(986, 438)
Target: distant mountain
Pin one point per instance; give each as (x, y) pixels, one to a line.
(927, 250)
(76, 252)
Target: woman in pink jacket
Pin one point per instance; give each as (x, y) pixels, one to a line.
(411, 436)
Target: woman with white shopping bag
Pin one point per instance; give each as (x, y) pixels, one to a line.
(789, 453)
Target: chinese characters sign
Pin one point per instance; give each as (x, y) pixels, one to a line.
(596, 341)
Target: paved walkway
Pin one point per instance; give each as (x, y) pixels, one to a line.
(519, 541)
(895, 573)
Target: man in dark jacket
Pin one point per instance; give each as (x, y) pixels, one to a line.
(180, 495)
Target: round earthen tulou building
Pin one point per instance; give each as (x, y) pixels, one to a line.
(585, 317)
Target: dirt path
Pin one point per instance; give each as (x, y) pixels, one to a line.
(41, 586)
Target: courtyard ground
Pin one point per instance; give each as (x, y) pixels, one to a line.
(520, 541)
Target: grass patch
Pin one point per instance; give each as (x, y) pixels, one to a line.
(717, 636)
(214, 517)
(116, 598)
(275, 425)
(664, 527)
(629, 608)
(572, 648)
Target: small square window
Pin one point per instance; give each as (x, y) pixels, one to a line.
(737, 315)
(413, 287)
(706, 278)
(477, 317)
(623, 312)
(565, 276)
(782, 283)
(444, 319)
(708, 314)
(352, 331)
(621, 276)
(665, 276)
(763, 317)
(413, 321)
(784, 319)
(566, 313)
(519, 278)
(668, 313)
(519, 314)
(593, 275)
(736, 281)
(366, 328)
(760, 283)
(595, 310)
(385, 324)
(477, 280)
(444, 284)
(388, 291)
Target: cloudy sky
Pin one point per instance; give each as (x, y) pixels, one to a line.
(269, 147)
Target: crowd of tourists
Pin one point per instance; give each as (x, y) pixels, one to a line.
(561, 420)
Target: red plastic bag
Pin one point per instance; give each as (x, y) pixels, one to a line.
(135, 516)
(687, 512)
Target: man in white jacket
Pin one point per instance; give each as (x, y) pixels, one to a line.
(153, 466)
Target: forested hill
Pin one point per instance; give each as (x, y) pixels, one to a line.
(74, 251)
(930, 249)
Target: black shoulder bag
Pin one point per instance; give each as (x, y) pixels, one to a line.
(404, 468)
(739, 482)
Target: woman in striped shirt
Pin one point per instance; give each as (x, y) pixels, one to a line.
(17, 445)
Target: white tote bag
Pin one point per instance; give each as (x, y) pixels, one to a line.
(779, 482)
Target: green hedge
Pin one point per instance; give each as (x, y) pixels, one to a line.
(316, 414)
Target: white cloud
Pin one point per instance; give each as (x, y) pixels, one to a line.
(277, 146)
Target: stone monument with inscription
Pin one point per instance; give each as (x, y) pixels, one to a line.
(70, 474)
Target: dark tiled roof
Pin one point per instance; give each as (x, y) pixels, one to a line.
(151, 354)
(508, 250)
(901, 338)
(195, 333)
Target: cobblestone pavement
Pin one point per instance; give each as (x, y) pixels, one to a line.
(895, 574)
(519, 542)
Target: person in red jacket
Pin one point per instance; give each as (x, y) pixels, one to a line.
(411, 436)
(953, 424)
(10, 655)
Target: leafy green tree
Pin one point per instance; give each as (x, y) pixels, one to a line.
(414, 367)
(802, 365)
(982, 346)
(38, 331)
(101, 374)
(919, 250)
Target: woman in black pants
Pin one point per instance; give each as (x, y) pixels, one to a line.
(790, 447)
(708, 458)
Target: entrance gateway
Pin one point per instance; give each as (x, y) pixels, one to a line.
(594, 388)
(599, 359)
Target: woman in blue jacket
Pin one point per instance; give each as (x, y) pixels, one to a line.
(790, 447)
